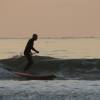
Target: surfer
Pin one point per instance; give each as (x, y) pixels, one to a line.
(28, 53)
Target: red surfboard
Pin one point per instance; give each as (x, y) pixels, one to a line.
(31, 76)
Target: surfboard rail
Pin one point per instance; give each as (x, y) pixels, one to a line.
(35, 77)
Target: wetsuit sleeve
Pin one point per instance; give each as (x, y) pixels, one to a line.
(34, 49)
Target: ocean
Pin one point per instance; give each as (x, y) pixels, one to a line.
(70, 48)
(78, 66)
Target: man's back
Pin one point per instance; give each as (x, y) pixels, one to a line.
(29, 46)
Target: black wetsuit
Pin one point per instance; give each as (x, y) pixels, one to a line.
(28, 53)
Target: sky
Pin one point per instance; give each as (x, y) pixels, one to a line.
(21, 18)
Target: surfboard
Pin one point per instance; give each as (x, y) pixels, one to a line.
(35, 77)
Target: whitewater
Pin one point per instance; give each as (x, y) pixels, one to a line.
(50, 90)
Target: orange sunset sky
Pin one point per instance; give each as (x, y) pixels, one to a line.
(21, 18)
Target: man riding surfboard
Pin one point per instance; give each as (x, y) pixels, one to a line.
(28, 53)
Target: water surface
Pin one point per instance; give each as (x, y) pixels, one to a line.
(60, 48)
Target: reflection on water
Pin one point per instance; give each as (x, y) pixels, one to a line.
(61, 48)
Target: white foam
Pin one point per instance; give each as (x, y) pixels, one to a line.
(50, 90)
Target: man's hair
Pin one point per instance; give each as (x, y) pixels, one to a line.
(35, 35)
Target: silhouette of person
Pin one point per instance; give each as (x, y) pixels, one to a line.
(28, 53)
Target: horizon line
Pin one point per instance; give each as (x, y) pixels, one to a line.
(50, 37)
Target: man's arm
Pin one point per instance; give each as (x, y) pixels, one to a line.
(35, 50)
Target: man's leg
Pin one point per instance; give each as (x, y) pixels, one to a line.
(30, 62)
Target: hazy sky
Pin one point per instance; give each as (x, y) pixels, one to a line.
(67, 17)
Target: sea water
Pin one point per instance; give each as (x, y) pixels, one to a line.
(57, 89)
(60, 48)
(50, 90)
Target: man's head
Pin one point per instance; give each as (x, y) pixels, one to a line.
(35, 37)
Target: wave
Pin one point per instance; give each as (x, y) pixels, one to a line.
(88, 69)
